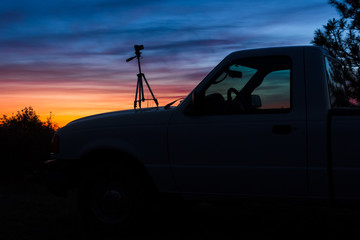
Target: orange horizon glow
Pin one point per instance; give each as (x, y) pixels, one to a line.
(67, 103)
(62, 115)
(68, 94)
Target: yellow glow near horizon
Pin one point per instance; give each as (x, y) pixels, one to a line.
(70, 100)
(64, 108)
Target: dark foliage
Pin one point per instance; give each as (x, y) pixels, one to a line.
(342, 39)
(24, 142)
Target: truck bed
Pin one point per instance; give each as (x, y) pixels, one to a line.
(344, 152)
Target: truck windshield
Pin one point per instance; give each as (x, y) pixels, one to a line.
(336, 83)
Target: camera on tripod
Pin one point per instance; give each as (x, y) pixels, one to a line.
(138, 48)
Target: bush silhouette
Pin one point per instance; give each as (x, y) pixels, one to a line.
(24, 142)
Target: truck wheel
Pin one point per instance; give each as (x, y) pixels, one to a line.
(111, 198)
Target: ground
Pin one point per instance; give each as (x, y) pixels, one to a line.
(28, 211)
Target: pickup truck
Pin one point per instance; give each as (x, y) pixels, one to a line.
(264, 123)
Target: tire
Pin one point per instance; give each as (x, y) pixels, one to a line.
(111, 198)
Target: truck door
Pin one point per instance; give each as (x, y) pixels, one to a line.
(245, 133)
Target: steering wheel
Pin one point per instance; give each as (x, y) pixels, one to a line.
(229, 91)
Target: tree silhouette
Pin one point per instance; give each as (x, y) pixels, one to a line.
(24, 142)
(342, 39)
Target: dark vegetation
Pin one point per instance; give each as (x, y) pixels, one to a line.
(342, 39)
(24, 143)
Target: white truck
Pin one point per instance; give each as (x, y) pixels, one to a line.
(264, 123)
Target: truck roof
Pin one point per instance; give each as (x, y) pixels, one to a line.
(277, 50)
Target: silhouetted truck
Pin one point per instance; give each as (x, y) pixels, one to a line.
(268, 123)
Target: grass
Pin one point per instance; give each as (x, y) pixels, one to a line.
(28, 211)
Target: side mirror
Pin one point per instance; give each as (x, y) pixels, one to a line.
(197, 98)
(193, 97)
(192, 109)
(256, 101)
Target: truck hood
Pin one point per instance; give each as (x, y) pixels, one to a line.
(122, 118)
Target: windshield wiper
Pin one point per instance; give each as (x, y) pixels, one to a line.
(169, 104)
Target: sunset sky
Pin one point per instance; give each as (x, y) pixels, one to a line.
(68, 56)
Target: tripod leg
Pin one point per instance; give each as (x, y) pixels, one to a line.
(136, 93)
(142, 90)
(155, 100)
(139, 96)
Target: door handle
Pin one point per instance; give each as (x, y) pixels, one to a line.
(281, 129)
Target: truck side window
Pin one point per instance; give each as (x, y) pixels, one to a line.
(336, 83)
(251, 85)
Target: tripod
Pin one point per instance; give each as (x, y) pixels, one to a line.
(139, 94)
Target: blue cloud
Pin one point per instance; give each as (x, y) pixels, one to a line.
(186, 38)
